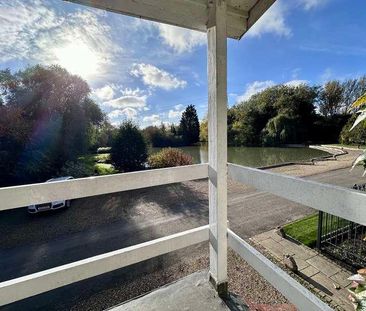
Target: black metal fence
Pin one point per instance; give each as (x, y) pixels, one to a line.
(343, 239)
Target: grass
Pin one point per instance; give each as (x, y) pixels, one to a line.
(304, 230)
(98, 163)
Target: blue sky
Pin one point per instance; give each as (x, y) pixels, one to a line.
(150, 72)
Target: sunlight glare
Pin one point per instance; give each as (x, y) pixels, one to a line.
(78, 59)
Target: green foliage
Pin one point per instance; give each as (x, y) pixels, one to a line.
(129, 149)
(330, 98)
(278, 115)
(189, 126)
(77, 169)
(204, 131)
(169, 157)
(355, 137)
(46, 120)
(162, 137)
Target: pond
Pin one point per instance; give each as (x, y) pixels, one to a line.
(255, 156)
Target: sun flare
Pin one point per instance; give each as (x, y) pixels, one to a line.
(78, 59)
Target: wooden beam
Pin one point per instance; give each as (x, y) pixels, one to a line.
(18, 196)
(345, 203)
(40, 282)
(257, 11)
(217, 137)
(303, 299)
(191, 14)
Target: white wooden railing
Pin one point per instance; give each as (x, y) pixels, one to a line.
(348, 204)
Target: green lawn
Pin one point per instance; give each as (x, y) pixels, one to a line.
(304, 230)
(98, 163)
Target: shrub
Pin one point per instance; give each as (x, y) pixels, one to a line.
(129, 150)
(76, 169)
(169, 157)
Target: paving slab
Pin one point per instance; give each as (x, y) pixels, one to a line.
(309, 271)
(321, 272)
(341, 278)
(324, 265)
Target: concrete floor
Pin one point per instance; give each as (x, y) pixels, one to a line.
(192, 293)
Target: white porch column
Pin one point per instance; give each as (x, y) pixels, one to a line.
(217, 137)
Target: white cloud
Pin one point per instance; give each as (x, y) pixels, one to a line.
(133, 92)
(104, 93)
(273, 21)
(175, 114)
(79, 41)
(259, 86)
(296, 82)
(118, 114)
(155, 77)
(312, 4)
(153, 119)
(127, 101)
(179, 39)
(254, 88)
(179, 107)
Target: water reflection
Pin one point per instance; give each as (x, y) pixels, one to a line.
(255, 156)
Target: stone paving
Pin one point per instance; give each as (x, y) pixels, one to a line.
(326, 278)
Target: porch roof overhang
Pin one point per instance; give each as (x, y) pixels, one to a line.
(191, 14)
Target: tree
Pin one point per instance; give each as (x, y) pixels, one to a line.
(204, 130)
(190, 126)
(278, 115)
(331, 98)
(356, 136)
(54, 119)
(129, 149)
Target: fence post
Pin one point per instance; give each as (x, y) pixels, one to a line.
(217, 146)
(320, 231)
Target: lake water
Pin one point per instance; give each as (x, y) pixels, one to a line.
(255, 156)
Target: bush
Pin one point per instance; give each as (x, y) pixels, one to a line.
(355, 137)
(76, 169)
(129, 150)
(169, 157)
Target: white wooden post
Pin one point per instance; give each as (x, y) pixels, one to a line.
(217, 136)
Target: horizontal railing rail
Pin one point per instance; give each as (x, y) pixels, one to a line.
(20, 196)
(40, 282)
(345, 203)
(303, 299)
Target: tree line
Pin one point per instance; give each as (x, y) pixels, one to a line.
(303, 114)
(48, 119)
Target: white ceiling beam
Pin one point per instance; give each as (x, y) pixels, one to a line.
(191, 14)
(258, 10)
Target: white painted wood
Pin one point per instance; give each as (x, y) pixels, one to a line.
(303, 299)
(258, 10)
(191, 14)
(217, 140)
(18, 196)
(40, 282)
(346, 203)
